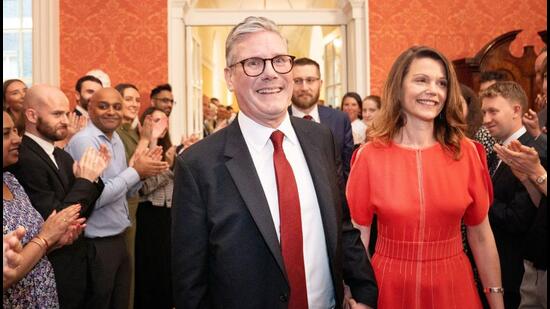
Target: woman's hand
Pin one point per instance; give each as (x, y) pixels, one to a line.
(57, 224)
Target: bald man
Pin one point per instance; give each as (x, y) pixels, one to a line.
(105, 227)
(46, 172)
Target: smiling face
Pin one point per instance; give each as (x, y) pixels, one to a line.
(106, 110)
(15, 95)
(131, 101)
(424, 90)
(501, 117)
(10, 150)
(263, 98)
(351, 107)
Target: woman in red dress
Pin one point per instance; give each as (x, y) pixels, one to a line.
(420, 175)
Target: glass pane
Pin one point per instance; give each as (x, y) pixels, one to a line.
(10, 55)
(27, 54)
(10, 9)
(27, 8)
(11, 14)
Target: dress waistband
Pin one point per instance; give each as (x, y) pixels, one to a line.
(418, 251)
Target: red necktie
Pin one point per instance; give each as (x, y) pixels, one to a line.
(291, 224)
(308, 117)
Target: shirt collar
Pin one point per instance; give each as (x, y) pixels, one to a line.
(44, 144)
(97, 132)
(257, 135)
(82, 110)
(514, 136)
(300, 114)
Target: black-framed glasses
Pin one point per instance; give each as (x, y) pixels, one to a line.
(255, 66)
(165, 100)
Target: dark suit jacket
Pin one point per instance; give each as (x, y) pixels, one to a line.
(511, 215)
(225, 248)
(340, 126)
(51, 188)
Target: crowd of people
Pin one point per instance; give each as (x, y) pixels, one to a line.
(428, 196)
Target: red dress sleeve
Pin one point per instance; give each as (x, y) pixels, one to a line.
(358, 189)
(480, 186)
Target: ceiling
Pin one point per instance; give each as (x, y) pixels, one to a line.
(266, 4)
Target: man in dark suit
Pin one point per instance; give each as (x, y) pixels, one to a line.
(513, 211)
(53, 181)
(85, 88)
(305, 104)
(251, 228)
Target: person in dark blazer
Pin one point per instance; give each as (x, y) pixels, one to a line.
(53, 182)
(512, 213)
(251, 229)
(305, 104)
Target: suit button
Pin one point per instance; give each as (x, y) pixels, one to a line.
(283, 298)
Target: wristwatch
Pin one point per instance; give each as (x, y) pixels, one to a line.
(541, 179)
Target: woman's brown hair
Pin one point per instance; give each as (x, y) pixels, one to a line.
(449, 125)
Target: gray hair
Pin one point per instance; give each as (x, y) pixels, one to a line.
(251, 24)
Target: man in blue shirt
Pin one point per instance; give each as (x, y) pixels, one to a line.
(110, 266)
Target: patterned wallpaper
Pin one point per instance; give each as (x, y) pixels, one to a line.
(457, 28)
(125, 38)
(128, 39)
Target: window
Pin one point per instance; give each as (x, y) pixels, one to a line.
(17, 40)
(333, 73)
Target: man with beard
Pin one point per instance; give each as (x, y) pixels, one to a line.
(54, 181)
(85, 88)
(305, 104)
(162, 98)
(106, 226)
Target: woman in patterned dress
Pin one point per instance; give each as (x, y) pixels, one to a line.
(420, 175)
(33, 285)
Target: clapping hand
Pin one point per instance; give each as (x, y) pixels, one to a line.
(523, 160)
(92, 163)
(58, 223)
(147, 162)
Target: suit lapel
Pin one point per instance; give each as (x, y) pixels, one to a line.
(316, 164)
(242, 170)
(33, 147)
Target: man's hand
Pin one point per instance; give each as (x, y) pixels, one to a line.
(92, 163)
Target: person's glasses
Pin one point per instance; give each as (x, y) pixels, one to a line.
(307, 81)
(166, 100)
(255, 66)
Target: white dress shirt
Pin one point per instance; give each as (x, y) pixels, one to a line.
(512, 137)
(313, 113)
(320, 290)
(47, 146)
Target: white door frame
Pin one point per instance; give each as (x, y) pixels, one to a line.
(181, 16)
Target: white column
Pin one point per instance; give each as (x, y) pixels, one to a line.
(45, 41)
(176, 69)
(357, 46)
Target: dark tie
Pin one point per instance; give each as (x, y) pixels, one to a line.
(57, 156)
(291, 225)
(308, 117)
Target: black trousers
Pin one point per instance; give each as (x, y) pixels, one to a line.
(110, 273)
(71, 267)
(153, 287)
